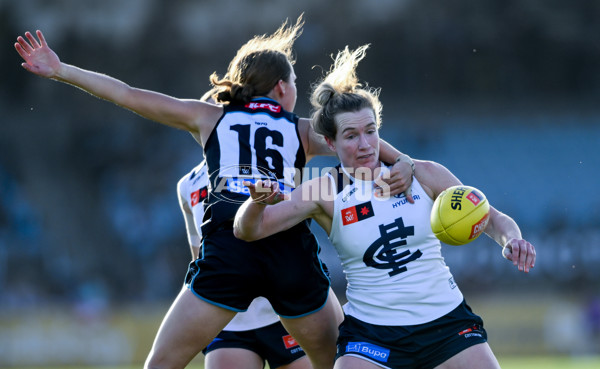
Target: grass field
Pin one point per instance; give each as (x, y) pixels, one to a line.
(520, 362)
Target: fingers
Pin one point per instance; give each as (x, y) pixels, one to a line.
(408, 194)
(21, 52)
(265, 191)
(24, 45)
(41, 37)
(521, 253)
(398, 180)
(34, 42)
(394, 186)
(28, 47)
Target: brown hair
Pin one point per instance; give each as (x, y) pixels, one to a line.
(340, 92)
(259, 65)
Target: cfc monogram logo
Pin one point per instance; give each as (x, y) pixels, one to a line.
(383, 253)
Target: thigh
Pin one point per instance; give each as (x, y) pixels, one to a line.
(302, 363)
(227, 358)
(188, 327)
(317, 333)
(475, 357)
(351, 362)
(279, 348)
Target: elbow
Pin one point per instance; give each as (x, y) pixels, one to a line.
(244, 236)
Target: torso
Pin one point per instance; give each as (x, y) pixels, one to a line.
(258, 140)
(393, 263)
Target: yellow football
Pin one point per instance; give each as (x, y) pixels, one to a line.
(459, 215)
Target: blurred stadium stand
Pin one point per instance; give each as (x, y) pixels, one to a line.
(504, 93)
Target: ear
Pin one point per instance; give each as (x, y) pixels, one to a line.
(280, 88)
(330, 143)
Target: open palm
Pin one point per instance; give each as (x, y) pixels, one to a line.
(39, 58)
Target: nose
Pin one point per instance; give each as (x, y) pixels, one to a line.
(363, 143)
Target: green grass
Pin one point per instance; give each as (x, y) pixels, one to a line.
(508, 362)
(549, 362)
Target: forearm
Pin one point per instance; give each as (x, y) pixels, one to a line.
(388, 153)
(502, 228)
(195, 251)
(99, 85)
(248, 221)
(149, 104)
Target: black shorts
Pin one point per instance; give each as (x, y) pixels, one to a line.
(412, 346)
(284, 268)
(272, 343)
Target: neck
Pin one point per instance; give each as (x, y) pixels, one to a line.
(363, 173)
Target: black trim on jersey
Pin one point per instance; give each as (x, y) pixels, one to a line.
(217, 211)
(340, 179)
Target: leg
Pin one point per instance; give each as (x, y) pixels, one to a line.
(352, 362)
(188, 327)
(317, 333)
(302, 363)
(226, 358)
(479, 356)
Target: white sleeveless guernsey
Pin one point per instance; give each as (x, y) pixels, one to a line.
(192, 191)
(392, 260)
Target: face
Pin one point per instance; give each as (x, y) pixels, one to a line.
(357, 139)
(289, 92)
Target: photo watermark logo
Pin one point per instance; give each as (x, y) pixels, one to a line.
(227, 183)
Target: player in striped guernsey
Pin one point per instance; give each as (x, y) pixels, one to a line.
(253, 134)
(404, 309)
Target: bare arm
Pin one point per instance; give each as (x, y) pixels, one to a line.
(314, 143)
(505, 231)
(266, 212)
(194, 237)
(435, 178)
(184, 114)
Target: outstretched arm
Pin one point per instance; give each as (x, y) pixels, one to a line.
(267, 211)
(501, 228)
(41, 60)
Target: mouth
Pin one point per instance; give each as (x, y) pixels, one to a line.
(364, 157)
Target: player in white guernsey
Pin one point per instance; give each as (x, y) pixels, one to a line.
(254, 126)
(253, 337)
(404, 309)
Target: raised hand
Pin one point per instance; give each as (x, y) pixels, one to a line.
(39, 57)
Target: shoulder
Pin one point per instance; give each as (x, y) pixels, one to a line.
(207, 114)
(434, 177)
(199, 171)
(182, 184)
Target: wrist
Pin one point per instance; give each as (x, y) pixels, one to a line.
(403, 158)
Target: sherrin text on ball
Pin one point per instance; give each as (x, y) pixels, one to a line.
(459, 215)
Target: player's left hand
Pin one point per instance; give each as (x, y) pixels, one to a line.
(521, 253)
(39, 58)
